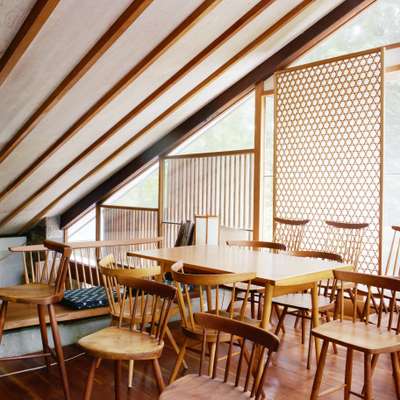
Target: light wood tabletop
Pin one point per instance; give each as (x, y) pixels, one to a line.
(279, 273)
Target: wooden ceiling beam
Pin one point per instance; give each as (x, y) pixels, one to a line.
(122, 84)
(125, 20)
(33, 23)
(284, 57)
(206, 52)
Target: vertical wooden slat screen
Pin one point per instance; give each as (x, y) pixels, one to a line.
(211, 183)
(328, 156)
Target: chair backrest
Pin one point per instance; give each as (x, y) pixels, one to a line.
(144, 297)
(380, 290)
(207, 287)
(257, 245)
(392, 267)
(346, 239)
(53, 268)
(110, 273)
(289, 232)
(317, 254)
(263, 343)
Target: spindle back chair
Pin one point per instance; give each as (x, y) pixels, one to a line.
(371, 334)
(206, 288)
(262, 344)
(392, 267)
(290, 232)
(136, 337)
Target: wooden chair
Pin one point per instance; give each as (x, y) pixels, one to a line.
(135, 338)
(255, 292)
(360, 334)
(110, 273)
(45, 289)
(214, 388)
(300, 304)
(392, 267)
(206, 289)
(290, 232)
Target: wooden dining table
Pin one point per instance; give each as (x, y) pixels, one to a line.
(278, 273)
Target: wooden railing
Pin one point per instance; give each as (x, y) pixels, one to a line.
(83, 269)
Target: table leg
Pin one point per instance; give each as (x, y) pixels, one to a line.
(315, 317)
(269, 291)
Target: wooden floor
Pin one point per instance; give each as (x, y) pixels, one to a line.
(287, 377)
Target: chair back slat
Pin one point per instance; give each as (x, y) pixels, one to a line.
(290, 232)
(260, 341)
(392, 267)
(379, 288)
(257, 245)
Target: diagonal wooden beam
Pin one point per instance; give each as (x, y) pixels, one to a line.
(33, 23)
(317, 32)
(217, 43)
(122, 84)
(133, 11)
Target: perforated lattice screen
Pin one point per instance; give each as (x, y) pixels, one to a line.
(328, 148)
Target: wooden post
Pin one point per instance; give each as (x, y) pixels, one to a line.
(161, 171)
(98, 229)
(258, 159)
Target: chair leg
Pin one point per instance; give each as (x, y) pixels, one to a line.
(178, 362)
(174, 345)
(396, 372)
(158, 375)
(253, 305)
(59, 351)
(90, 379)
(303, 327)
(348, 373)
(212, 358)
(3, 313)
(320, 371)
(328, 319)
(281, 320)
(367, 377)
(43, 333)
(130, 373)
(309, 353)
(117, 379)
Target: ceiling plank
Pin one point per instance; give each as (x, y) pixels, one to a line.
(124, 21)
(206, 52)
(122, 84)
(33, 23)
(284, 57)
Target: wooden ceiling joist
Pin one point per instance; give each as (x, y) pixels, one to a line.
(125, 20)
(281, 59)
(206, 52)
(33, 23)
(112, 93)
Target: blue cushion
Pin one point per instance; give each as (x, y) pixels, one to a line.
(82, 299)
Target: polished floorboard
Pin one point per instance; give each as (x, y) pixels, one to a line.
(287, 377)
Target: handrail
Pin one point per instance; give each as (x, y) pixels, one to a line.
(86, 245)
(128, 208)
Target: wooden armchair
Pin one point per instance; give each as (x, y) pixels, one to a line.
(213, 387)
(361, 334)
(137, 337)
(208, 290)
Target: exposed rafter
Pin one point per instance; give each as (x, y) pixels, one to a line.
(313, 35)
(113, 33)
(33, 23)
(211, 48)
(122, 84)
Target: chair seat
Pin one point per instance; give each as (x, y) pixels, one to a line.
(302, 301)
(33, 293)
(115, 343)
(362, 337)
(202, 387)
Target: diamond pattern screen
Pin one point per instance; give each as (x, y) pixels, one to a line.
(328, 148)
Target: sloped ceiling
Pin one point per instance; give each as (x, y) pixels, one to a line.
(71, 30)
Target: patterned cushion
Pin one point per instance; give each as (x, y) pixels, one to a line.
(83, 299)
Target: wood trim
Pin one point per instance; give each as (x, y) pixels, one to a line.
(392, 68)
(33, 23)
(210, 154)
(122, 84)
(258, 159)
(211, 78)
(102, 45)
(161, 180)
(128, 208)
(317, 32)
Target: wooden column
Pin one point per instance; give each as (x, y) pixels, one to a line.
(161, 171)
(258, 159)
